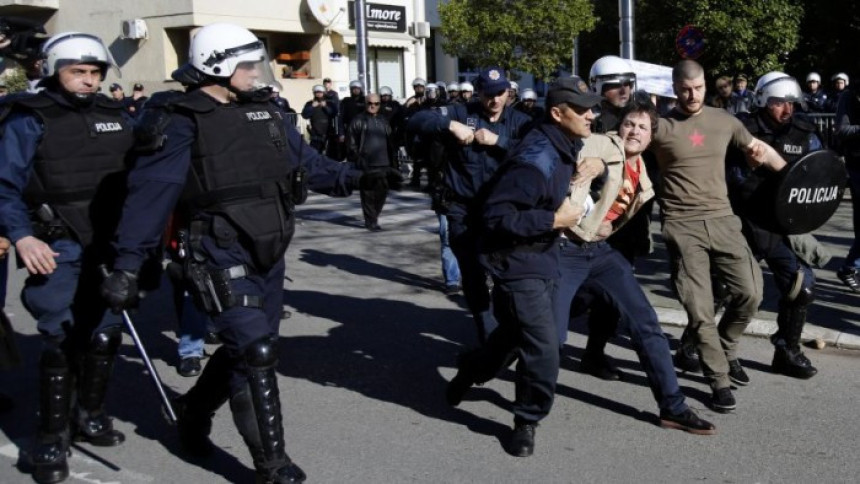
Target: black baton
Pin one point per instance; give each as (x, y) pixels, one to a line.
(156, 380)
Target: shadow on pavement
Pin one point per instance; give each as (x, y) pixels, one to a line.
(384, 349)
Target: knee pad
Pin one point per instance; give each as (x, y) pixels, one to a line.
(262, 353)
(106, 342)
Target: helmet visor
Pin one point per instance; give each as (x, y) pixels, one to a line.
(620, 80)
(252, 69)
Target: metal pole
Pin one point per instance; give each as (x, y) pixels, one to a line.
(171, 416)
(625, 28)
(421, 47)
(361, 42)
(574, 61)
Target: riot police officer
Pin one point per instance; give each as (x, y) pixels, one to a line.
(528, 105)
(839, 82)
(514, 94)
(453, 92)
(815, 98)
(613, 78)
(321, 114)
(62, 179)
(389, 108)
(349, 108)
(466, 92)
(753, 192)
(418, 87)
(236, 158)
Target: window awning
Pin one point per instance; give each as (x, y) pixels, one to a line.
(380, 39)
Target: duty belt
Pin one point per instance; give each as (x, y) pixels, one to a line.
(223, 276)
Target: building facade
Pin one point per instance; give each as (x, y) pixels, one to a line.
(307, 40)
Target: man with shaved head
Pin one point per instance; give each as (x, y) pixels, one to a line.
(700, 229)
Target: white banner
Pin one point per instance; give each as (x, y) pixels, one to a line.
(653, 78)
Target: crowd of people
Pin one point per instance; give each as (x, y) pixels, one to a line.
(542, 213)
(734, 96)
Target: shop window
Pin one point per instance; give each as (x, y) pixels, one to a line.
(292, 54)
(386, 69)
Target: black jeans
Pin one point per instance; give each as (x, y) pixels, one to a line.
(373, 192)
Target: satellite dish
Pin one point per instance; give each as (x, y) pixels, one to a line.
(327, 11)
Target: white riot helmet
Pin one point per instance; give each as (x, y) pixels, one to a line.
(840, 75)
(356, 83)
(467, 87)
(318, 88)
(610, 69)
(385, 91)
(419, 82)
(777, 85)
(529, 94)
(453, 87)
(431, 91)
(515, 87)
(813, 76)
(71, 48)
(218, 49)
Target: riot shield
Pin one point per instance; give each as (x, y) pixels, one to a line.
(810, 192)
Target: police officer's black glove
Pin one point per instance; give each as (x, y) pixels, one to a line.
(120, 290)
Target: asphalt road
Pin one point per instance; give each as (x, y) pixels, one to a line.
(366, 356)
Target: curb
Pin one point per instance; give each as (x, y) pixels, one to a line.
(763, 328)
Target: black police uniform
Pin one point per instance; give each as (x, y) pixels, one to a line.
(322, 119)
(231, 167)
(466, 171)
(520, 249)
(62, 181)
(753, 195)
(348, 109)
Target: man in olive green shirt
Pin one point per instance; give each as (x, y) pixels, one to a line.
(700, 230)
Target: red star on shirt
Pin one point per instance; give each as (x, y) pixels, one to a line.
(697, 138)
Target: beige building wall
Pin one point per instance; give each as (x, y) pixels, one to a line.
(286, 25)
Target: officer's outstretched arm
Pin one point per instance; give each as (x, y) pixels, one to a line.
(324, 175)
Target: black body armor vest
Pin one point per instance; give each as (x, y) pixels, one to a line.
(80, 168)
(240, 171)
(757, 195)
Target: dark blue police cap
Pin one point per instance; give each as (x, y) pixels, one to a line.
(492, 81)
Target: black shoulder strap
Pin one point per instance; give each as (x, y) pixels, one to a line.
(27, 101)
(195, 101)
(154, 118)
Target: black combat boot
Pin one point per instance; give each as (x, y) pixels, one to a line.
(788, 358)
(55, 399)
(91, 423)
(195, 409)
(257, 414)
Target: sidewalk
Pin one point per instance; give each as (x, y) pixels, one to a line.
(833, 317)
(763, 328)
